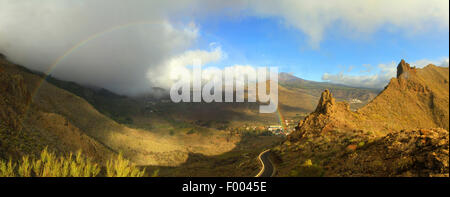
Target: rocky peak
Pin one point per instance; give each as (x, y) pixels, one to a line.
(326, 102)
(402, 68)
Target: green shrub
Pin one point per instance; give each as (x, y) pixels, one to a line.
(308, 169)
(25, 167)
(50, 165)
(7, 169)
(191, 131)
(155, 173)
(361, 144)
(120, 167)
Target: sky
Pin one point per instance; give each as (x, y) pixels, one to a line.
(129, 47)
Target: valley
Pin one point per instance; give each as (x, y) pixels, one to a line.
(215, 139)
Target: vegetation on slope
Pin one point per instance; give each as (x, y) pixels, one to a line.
(26, 128)
(405, 153)
(70, 165)
(117, 107)
(65, 123)
(136, 112)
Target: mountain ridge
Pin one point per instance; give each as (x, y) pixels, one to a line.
(66, 122)
(333, 136)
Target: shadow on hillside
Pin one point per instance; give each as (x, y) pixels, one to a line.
(241, 161)
(288, 108)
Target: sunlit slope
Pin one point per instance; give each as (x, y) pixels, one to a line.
(61, 113)
(402, 132)
(296, 98)
(25, 129)
(417, 98)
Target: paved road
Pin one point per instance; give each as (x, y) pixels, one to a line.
(267, 169)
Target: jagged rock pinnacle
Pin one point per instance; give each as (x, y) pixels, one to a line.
(402, 68)
(325, 103)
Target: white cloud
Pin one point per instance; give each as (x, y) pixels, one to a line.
(176, 67)
(319, 18)
(112, 44)
(380, 79)
(424, 62)
(37, 33)
(370, 81)
(444, 62)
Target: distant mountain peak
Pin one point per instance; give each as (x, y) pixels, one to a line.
(284, 77)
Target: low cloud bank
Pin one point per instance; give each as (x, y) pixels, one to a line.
(378, 80)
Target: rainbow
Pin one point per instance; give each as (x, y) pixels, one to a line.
(104, 32)
(83, 43)
(281, 119)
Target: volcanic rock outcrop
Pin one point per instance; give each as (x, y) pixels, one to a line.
(326, 102)
(326, 117)
(403, 67)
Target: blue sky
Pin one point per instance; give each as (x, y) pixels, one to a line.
(131, 46)
(269, 42)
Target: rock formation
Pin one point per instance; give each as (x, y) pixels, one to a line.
(324, 118)
(402, 67)
(326, 102)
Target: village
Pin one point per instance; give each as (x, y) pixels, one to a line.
(283, 129)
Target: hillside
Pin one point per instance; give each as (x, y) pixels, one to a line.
(401, 132)
(412, 109)
(341, 92)
(24, 128)
(35, 114)
(117, 107)
(417, 98)
(155, 112)
(290, 90)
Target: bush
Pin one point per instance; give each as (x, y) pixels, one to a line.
(191, 131)
(121, 167)
(256, 133)
(50, 165)
(6, 169)
(308, 169)
(361, 144)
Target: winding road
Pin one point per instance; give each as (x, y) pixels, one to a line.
(267, 169)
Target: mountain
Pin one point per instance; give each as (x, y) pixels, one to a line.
(35, 113)
(26, 129)
(117, 107)
(356, 96)
(236, 115)
(290, 78)
(402, 132)
(417, 98)
(150, 110)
